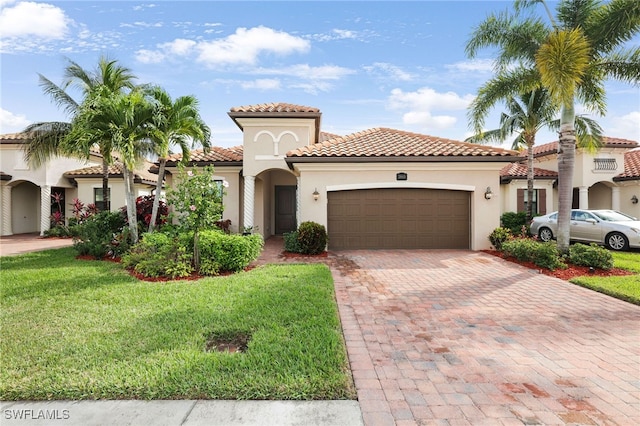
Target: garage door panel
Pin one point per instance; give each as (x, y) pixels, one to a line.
(399, 218)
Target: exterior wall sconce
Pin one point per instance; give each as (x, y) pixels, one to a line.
(316, 195)
(488, 194)
(634, 199)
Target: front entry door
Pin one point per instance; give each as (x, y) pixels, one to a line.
(285, 209)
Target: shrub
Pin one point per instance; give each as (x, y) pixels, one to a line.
(545, 255)
(227, 252)
(499, 236)
(291, 242)
(312, 238)
(144, 208)
(95, 235)
(159, 255)
(591, 255)
(514, 222)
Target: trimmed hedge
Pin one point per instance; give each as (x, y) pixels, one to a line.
(591, 255)
(309, 238)
(227, 252)
(545, 255)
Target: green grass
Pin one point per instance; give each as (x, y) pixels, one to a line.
(77, 329)
(622, 287)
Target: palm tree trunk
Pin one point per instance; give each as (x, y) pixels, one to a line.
(566, 165)
(105, 184)
(530, 176)
(131, 204)
(156, 198)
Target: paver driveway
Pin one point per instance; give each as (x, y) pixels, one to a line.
(460, 337)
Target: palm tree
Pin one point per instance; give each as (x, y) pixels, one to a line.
(175, 123)
(124, 122)
(571, 56)
(527, 114)
(47, 139)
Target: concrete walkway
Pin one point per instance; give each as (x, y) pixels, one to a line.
(439, 338)
(25, 243)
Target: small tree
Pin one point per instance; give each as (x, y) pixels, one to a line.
(197, 203)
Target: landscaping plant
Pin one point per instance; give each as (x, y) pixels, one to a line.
(590, 255)
(197, 201)
(309, 238)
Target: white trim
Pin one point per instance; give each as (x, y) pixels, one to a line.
(423, 185)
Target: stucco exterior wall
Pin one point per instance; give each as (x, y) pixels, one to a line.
(627, 191)
(470, 177)
(266, 141)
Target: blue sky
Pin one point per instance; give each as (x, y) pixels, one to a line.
(364, 64)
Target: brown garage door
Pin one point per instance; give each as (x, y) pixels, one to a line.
(393, 218)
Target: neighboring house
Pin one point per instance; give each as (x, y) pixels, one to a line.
(606, 179)
(26, 193)
(376, 189)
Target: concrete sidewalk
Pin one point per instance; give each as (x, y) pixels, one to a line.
(181, 412)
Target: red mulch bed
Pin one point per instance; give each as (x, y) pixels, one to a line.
(571, 271)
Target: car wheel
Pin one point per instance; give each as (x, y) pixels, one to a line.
(545, 234)
(617, 241)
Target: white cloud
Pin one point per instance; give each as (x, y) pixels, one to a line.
(307, 72)
(29, 19)
(340, 34)
(626, 126)
(245, 45)
(12, 123)
(144, 6)
(388, 71)
(261, 84)
(475, 65)
(421, 106)
(179, 46)
(149, 56)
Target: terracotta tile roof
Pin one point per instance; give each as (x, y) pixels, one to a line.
(325, 136)
(215, 154)
(115, 170)
(385, 143)
(519, 171)
(552, 147)
(13, 138)
(274, 107)
(631, 166)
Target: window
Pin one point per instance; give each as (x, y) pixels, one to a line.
(604, 164)
(220, 185)
(539, 202)
(98, 199)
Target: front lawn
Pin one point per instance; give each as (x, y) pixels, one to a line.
(622, 287)
(78, 329)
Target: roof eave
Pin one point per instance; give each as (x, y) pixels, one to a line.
(402, 159)
(625, 178)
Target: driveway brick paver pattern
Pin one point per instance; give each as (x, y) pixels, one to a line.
(465, 338)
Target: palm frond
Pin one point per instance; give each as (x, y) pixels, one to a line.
(613, 24)
(61, 98)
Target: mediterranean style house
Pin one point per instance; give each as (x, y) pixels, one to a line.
(385, 188)
(377, 189)
(26, 194)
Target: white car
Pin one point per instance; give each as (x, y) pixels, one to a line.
(615, 230)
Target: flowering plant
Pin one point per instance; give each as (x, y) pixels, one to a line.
(197, 202)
